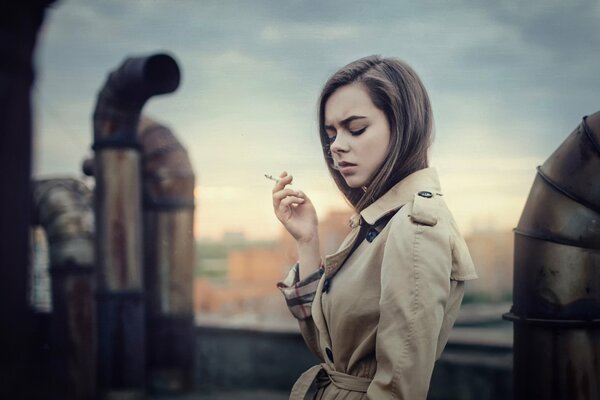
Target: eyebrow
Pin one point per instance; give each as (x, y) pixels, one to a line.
(346, 121)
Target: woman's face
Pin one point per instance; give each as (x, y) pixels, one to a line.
(359, 134)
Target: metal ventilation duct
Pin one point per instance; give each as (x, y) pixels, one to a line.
(556, 295)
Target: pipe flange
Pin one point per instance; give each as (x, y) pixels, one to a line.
(553, 323)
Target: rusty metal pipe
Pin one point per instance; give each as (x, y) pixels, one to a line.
(169, 258)
(556, 296)
(121, 339)
(63, 208)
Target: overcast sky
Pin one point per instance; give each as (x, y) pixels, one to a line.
(508, 81)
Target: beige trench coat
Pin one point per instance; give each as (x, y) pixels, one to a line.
(387, 310)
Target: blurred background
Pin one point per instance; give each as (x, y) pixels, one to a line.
(507, 80)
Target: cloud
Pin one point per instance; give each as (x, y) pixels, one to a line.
(313, 32)
(566, 28)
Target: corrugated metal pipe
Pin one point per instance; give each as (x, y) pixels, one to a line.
(63, 208)
(121, 317)
(168, 197)
(556, 296)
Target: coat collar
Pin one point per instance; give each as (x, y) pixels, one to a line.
(400, 194)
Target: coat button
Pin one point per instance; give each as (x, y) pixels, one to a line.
(329, 353)
(425, 194)
(326, 285)
(371, 234)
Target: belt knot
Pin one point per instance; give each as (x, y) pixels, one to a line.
(323, 374)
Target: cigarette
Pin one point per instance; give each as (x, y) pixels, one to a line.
(271, 178)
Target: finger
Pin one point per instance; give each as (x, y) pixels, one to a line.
(282, 182)
(285, 192)
(284, 173)
(288, 201)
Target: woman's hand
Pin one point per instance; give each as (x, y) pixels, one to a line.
(295, 211)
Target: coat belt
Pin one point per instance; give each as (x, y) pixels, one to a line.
(343, 381)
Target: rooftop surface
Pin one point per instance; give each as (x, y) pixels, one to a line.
(230, 395)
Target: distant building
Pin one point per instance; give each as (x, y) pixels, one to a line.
(492, 252)
(249, 287)
(256, 266)
(332, 231)
(246, 290)
(234, 237)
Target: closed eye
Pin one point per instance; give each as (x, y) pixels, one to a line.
(331, 139)
(358, 132)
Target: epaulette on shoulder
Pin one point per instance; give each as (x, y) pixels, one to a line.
(424, 209)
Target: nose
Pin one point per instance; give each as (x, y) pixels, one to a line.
(340, 144)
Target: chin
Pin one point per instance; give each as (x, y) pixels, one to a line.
(354, 183)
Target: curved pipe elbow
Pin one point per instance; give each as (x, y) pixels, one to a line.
(124, 94)
(557, 240)
(168, 174)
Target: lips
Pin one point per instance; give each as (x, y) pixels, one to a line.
(346, 168)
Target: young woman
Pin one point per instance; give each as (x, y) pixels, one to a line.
(377, 312)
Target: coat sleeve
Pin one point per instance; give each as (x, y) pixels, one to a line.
(415, 288)
(299, 296)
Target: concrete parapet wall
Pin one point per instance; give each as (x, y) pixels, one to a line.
(229, 358)
(234, 358)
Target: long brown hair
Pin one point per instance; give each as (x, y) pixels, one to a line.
(397, 90)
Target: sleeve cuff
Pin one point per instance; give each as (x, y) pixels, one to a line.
(299, 294)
